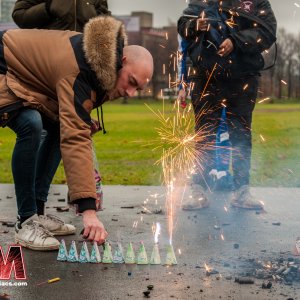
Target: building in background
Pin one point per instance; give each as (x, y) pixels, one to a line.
(161, 42)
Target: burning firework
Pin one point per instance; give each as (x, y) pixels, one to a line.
(181, 154)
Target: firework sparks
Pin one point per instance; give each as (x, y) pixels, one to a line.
(284, 82)
(156, 231)
(263, 100)
(177, 140)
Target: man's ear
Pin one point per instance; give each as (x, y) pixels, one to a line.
(124, 58)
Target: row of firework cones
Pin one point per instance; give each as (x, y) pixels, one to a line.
(118, 258)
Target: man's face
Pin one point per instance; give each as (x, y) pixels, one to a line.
(131, 78)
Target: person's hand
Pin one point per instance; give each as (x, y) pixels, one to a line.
(182, 98)
(93, 229)
(202, 24)
(225, 48)
(95, 127)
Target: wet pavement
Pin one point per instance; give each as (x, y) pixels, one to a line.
(230, 241)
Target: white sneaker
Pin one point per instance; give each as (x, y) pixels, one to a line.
(198, 201)
(56, 225)
(31, 234)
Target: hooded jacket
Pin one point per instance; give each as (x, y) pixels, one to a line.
(64, 77)
(57, 14)
(254, 29)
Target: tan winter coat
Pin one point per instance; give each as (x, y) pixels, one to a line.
(64, 74)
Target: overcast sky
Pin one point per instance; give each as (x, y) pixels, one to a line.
(286, 11)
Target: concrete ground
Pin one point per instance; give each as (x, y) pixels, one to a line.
(198, 237)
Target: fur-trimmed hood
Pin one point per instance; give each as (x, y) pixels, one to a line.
(102, 37)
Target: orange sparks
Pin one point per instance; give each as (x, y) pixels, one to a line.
(245, 86)
(207, 268)
(262, 138)
(263, 100)
(284, 82)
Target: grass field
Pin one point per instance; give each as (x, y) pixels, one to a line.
(126, 156)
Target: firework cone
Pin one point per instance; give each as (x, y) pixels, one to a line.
(84, 256)
(73, 255)
(142, 258)
(107, 256)
(130, 257)
(62, 252)
(155, 257)
(171, 258)
(118, 255)
(95, 254)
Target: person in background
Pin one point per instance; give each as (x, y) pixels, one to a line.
(57, 14)
(227, 39)
(220, 177)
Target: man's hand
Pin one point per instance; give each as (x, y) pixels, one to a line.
(182, 98)
(95, 127)
(202, 24)
(93, 228)
(225, 48)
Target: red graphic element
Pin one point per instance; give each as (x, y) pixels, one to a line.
(13, 261)
(247, 6)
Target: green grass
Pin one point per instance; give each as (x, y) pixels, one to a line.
(126, 156)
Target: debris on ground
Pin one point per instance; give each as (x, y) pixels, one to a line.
(62, 208)
(244, 280)
(4, 296)
(276, 223)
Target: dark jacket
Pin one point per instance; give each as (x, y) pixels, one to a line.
(57, 14)
(254, 30)
(64, 77)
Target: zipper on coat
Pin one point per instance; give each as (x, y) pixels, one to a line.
(75, 14)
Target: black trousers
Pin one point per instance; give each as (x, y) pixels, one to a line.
(239, 97)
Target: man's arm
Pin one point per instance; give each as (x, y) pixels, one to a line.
(102, 7)
(76, 148)
(192, 21)
(30, 14)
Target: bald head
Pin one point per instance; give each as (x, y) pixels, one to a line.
(136, 72)
(140, 57)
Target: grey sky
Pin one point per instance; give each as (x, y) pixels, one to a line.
(286, 11)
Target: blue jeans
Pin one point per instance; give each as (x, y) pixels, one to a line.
(35, 158)
(240, 104)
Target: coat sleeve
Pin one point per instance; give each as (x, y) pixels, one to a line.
(102, 7)
(187, 23)
(182, 64)
(259, 37)
(30, 14)
(76, 145)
